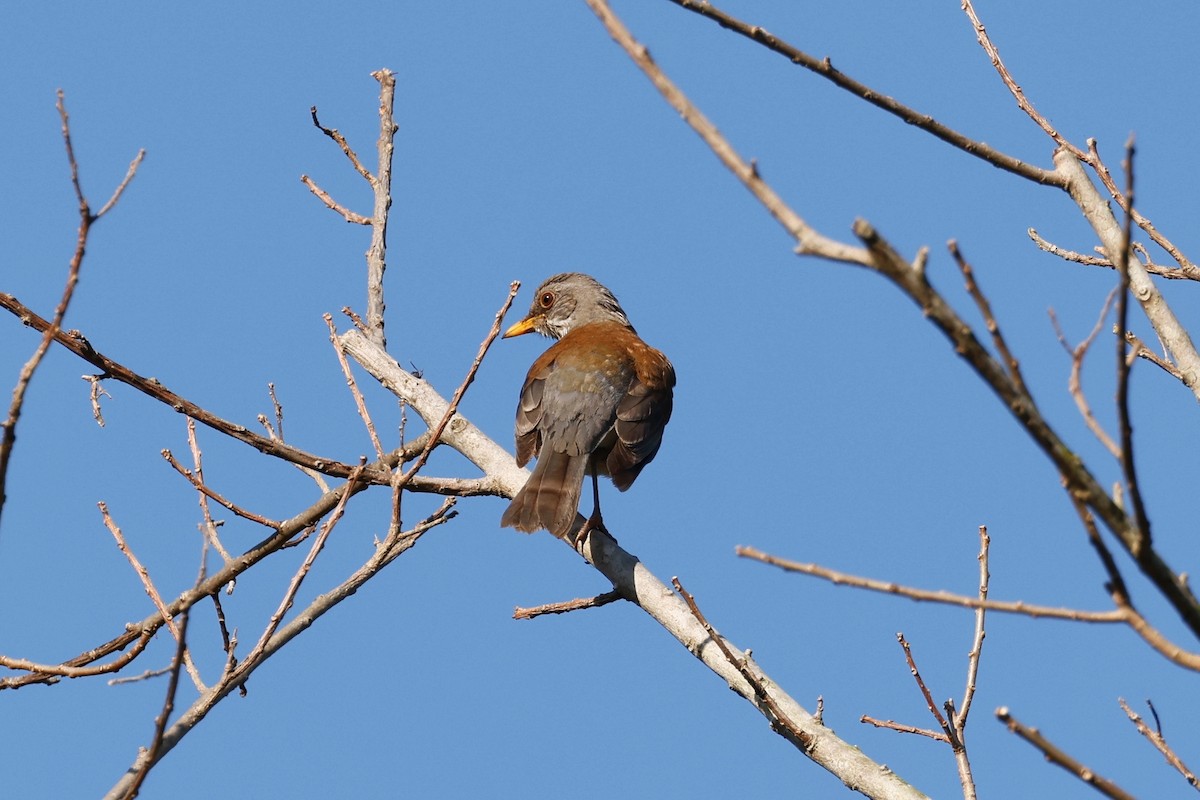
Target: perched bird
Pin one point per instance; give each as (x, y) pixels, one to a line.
(595, 403)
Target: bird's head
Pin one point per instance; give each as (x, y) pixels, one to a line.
(565, 302)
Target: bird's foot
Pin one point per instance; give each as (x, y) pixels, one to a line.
(593, 523)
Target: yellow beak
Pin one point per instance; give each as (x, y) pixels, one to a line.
(524, 326)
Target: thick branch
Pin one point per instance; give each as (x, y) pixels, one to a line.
(1098, 214)
(911, 279)
(636, 583)
(381, 186)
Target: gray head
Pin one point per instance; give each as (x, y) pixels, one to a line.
(566, 301)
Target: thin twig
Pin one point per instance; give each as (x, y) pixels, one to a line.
(53, 328)
(289, 596)
(900, 727)
(958, 722)
(1140, 349)
(148, 584)
(779, 721)
(353, 217)
(336, 136)
(1075, 382)
(929, 703)
(954, 723)
(989, 319)
(1018, 93)
(232, 679)
(980, 630)
(79, 345)
(1155, 738)
(824, 68)
(924, 595)
(160, 722)
(206, 491)
(278, 408)
(139, 633)
(79, 667)
(1055, 755)
(316, 477)
(1067, 255)
(208, 525)
(150, 673)
(123, 185)
(1171, 273)
(521, 612)
(1142, 541)
(228, 640)
(809, 241)
(359, 402)
(95, 392)
(1091, 156)
(883, 258)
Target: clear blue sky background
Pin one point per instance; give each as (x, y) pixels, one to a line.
(818, 416)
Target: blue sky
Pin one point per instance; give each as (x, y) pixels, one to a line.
(817, 416)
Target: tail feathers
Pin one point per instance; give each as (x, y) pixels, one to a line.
(550, 498)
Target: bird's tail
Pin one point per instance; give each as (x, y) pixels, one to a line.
(550, 498)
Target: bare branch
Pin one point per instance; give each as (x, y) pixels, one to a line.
(359, 402)
(947, 731)
(985, 42)
(1057, 756)
(123, 185)
(79, 345)
(95, 392)
(384, 554)
(353, 217)
(882, 257)
(79, 667)
(340, 140)
(1075, 382)
(570, 605)
(1142, 351)
(381, 186)
(1156, 738)
(52, 329)
(780, 722)
(924, 595)
(989, 319)
(980, 631)
(1142, 540)
(629, 576)
(144, 575)
(198, 482)
(160, 722)
(1090, 157)
(289, 596)
(1172, 273)
(825, 69)
(900, 727)
(809, 241)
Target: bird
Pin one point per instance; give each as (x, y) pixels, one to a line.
(595, 403)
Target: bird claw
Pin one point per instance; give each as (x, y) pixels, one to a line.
(593, 523)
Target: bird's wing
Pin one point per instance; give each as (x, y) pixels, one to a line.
(570, 398)
(642, 415)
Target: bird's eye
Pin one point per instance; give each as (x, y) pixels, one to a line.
(546, 300)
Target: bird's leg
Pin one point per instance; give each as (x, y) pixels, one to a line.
(595, 521)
